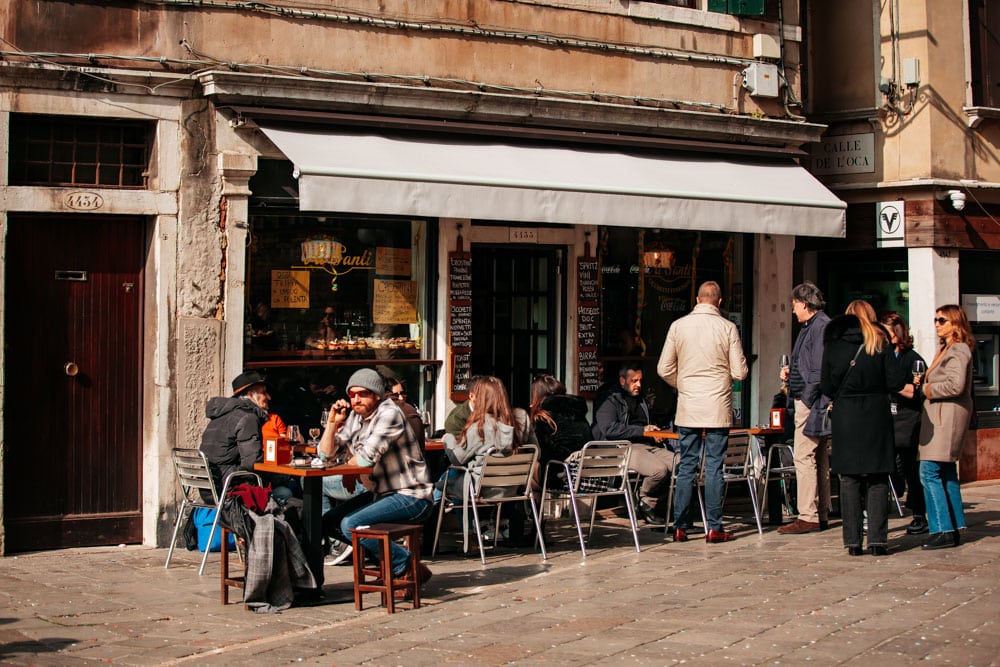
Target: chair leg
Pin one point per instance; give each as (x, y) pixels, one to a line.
(895, 497)
(177, 527)
(630, 505)
(576, 517)
(437, 531)
(208, 545)
(753, 499)
(475, 520)
(538, 526)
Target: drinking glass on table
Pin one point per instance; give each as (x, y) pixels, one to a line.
(918, 371)
(314, 433)
(294, 434)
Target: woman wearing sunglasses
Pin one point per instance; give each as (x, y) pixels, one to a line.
(947, 388)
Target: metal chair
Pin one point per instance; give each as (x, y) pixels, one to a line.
(504, 479)
(741, 464)
(601, 470)
(194, 473)
(780, 467)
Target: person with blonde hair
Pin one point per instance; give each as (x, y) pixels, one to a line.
(859, 372)
(948, 408)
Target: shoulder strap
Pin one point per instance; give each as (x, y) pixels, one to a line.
(850, 368)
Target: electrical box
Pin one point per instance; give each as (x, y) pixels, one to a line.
(761, 79)
(911, 71)
(766, 46)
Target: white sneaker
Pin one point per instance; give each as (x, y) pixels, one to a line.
(339, 552)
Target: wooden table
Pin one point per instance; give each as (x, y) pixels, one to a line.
(312, 502)
(756, 430)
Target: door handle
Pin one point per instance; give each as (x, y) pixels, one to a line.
(70, 368)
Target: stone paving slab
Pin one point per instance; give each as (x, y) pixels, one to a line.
(759, 600)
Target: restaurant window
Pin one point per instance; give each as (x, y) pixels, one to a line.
(73, 151)
(329, 293)
(649, 279)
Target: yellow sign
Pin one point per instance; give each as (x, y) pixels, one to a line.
(289, 289)
(393, 261)
(395, 302)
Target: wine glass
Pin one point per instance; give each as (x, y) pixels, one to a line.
(324, 418)
(785, 364)
(918, 371)
(314, 433)
(294, 434)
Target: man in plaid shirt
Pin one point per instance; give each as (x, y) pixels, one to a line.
(374, 432)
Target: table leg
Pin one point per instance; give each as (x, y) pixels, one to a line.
(312, 522)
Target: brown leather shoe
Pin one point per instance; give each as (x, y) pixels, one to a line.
(680, 535)
(713, 536)
(798, 527)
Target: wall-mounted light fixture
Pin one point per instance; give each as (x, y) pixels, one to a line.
(955, 197)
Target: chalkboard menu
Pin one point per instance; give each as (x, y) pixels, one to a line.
(588, 324)
(460, 323)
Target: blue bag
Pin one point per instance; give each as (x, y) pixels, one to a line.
(203, 518)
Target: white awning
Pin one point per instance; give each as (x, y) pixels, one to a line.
(462, 178)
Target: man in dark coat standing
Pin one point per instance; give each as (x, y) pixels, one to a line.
(812, 441)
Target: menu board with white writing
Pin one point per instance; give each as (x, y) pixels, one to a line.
(588, 324)
(460, 323)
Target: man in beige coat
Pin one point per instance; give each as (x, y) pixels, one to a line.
(701, 358)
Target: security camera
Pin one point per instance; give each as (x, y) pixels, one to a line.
(957, 198)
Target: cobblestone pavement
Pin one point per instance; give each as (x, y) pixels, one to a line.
(757, 600)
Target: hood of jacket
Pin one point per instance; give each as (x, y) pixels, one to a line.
(223, 405)
(566, 404)
(844, 327)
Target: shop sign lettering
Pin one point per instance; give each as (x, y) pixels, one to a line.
(84, 201)
(844, 154)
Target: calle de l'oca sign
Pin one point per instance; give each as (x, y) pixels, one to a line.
(844, 154)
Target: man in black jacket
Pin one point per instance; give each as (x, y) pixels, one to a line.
(231, 440)
(812, 440)
(624, 415)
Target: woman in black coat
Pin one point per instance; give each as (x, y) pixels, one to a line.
(859, 372)
(906, 421)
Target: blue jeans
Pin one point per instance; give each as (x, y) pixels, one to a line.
(943, 495)
(333, 489)
(392, 508)
(715, 442)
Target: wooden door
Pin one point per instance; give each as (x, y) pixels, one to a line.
(73, 394)
(515, 292)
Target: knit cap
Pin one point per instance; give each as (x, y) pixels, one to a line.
(369, 379)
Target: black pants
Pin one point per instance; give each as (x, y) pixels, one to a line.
(860, 492)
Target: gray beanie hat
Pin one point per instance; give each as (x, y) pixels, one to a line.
(369, 379)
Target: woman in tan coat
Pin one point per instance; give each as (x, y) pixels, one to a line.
(947, 409)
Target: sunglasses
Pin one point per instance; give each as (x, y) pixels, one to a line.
(359, 393)
(941, 320)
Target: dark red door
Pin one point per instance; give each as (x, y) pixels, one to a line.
(73, 393)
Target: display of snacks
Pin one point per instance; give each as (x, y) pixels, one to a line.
(369, 347)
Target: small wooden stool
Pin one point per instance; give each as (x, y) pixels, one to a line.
(384, 583)
(230, 581)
